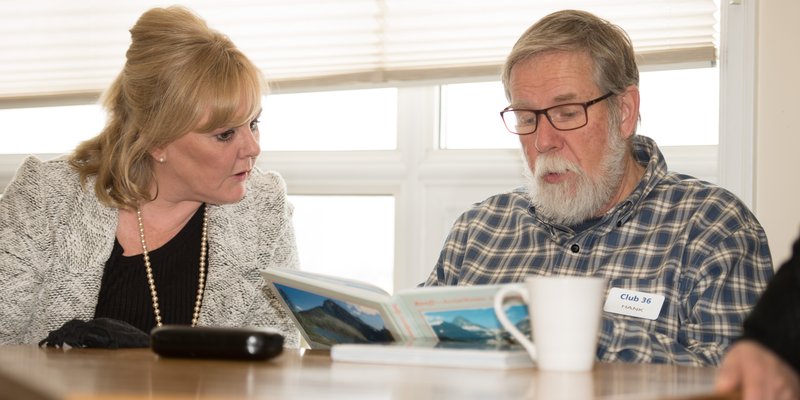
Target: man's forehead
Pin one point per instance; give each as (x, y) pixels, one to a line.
(540, 82)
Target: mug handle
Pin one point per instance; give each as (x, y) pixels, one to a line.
(499, 301)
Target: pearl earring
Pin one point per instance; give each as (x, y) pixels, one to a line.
(161, 160)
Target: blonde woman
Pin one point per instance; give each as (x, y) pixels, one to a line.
(162, 218)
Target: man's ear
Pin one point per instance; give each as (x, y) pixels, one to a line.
(629, 110)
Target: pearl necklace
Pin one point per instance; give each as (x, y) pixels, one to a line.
(149, 270)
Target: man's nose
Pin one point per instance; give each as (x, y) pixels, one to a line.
(547, 137)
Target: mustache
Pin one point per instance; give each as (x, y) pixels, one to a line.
(550, 164)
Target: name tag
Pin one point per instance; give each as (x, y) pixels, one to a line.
(633, 303)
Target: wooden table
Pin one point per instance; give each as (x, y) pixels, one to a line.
(28, 372)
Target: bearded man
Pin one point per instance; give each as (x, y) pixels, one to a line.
(601, 202)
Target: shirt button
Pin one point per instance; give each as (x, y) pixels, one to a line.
(575, 248)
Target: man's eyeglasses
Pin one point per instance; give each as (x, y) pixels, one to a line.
(564, 117)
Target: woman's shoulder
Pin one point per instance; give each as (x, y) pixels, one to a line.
(266, 193)
(263, 208)
(45, 191)
(267, 180)
(33, 167)
(266, 185)
(55, 174)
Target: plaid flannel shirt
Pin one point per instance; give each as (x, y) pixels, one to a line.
(693, 242)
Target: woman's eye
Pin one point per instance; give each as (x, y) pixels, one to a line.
(254, 125)
(225, 136)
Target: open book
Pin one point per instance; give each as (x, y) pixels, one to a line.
(329, 310)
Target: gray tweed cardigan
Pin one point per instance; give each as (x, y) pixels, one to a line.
(55, 239)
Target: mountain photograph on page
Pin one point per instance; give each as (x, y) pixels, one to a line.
(331, 321)
(476, 325)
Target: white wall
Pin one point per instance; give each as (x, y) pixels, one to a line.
(777, 185)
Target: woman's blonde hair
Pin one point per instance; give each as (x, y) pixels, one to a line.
(180, 76)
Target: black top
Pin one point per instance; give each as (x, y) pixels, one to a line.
(775, 320)
(125, 294)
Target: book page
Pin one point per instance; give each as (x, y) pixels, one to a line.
(328, 313)
(328, 319)
(333, 280)
(462, 313)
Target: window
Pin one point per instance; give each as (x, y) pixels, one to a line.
(49, 129)
(331, 121)
(471, 117)
(377, 176)
(679, 107)
(347, 236)
(409, 155)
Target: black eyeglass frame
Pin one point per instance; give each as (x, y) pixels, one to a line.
(544, 111)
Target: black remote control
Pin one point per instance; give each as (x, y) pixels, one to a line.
(216, 342)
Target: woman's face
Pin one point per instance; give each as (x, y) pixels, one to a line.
(208, 167)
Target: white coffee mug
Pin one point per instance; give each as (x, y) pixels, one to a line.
(564, 315)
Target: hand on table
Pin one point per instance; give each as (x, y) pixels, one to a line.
(758, 373)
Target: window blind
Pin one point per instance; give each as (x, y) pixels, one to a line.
(56, 48)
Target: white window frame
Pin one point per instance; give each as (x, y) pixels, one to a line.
(433, 186)
(737, 98)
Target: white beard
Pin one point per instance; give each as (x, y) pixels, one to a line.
(571, 202)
